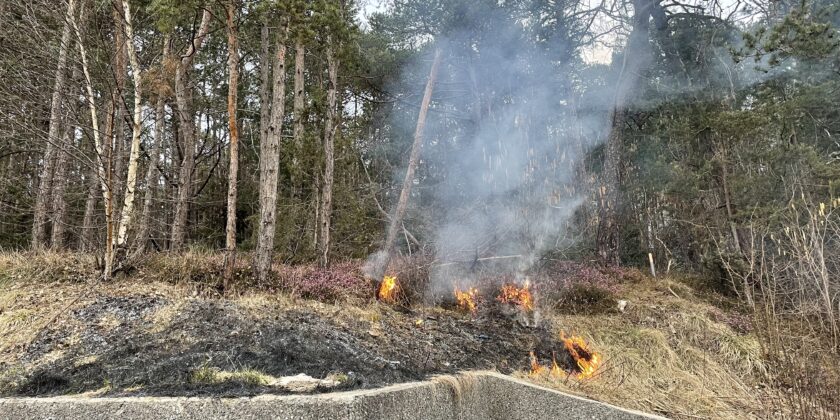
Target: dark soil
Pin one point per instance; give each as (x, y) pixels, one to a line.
(148, 343)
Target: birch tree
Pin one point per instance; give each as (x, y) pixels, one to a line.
(152, 170)
(131, 177)
(117, 110)
(100, 166)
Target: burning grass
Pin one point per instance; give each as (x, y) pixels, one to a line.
(665, 355)
(536, 368)
(586, 359)
(174, 341)
(578, 359)
(467, 300)
(388, 289)
(515, 295)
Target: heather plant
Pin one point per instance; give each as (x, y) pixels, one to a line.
(338, 282)
(570, 286)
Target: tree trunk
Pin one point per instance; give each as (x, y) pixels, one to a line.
(118, 152)
(270, 162)
(329, 158)
(87, 237)
(300, 56)
(127, 212)
(296, 178)
(114, 135)
(608, 240)
(42, 199)
(59, 202)
(152, 171)
(186, 124)
(102, 173)
(59, 211)
(636, 60)
(721, 157)
(108, 179)
(233, 82)
(408, 181)
(265, 83)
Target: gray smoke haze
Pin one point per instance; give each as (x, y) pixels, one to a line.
(507, 191)
(511, 119)
(505, 134)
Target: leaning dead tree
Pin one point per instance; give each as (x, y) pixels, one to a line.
(413, 160)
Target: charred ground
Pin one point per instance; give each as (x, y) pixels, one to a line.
(138, 339)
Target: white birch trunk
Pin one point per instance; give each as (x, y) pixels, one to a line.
(100, 149)
(151, 179)
(134, 154)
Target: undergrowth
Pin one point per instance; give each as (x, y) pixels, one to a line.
(201, 270)
(674, 348)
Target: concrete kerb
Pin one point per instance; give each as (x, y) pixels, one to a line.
(467, 396)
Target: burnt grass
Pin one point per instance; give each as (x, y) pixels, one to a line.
(118, 345)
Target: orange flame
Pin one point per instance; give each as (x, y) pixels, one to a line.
(536, 368)
(587, 360)
(388, 289)
(521, 297)
(556, 372)
(467, 300)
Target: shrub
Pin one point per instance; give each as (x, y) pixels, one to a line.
(412, 274)
(577, 288)
(338, 282)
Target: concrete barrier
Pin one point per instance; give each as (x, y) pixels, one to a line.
(475, 395)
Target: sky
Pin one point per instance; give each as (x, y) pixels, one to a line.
(600, 53)
(595, 54)
(368, 7)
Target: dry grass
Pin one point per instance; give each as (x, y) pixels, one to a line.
(667, 355)
(46, 267)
